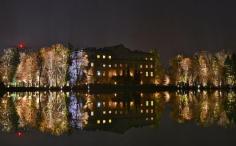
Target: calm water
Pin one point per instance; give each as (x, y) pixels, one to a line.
(127, 118)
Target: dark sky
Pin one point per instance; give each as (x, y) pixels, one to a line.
(172, 26)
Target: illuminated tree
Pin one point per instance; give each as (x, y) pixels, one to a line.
(8, 62)
(54, 66)
(28, 69)
(77, 69)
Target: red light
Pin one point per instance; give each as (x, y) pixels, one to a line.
(19, 134)
(21, 46)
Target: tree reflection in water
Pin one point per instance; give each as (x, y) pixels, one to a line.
(205, 108)
(59, 113)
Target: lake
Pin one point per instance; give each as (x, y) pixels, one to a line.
(118, 118)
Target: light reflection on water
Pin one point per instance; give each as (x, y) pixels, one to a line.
(59, 113)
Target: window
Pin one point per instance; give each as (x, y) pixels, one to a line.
(141, 66)
(98, 73)
(146, 74)
(92, 64)
(151, 66)
(98, 104)
(152, 103)
(104, 74)
(109, 56)
(98, 121)
(104, 112)
(98, 56)
(120, 65)
(92, 113)
(103, 121)
(141, 111)
(146, 58)
(151, 74)
(151, 58)
(146, 66)
(109, 121)
(152, 111)
(109, 65)
(104, 65)
(104, 56)
(147, 103)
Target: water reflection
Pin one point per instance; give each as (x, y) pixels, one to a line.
(205, 108)
(59, 113)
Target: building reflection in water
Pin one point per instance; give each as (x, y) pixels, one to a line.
(59, 113)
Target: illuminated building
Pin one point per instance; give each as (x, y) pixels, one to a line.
(109, 64)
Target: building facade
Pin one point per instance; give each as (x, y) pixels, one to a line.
(118, 65)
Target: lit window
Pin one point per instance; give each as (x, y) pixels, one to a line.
(98, 73)
(103, 56)
(115, 65)
(91, 64)
(98, 121)
(109, 56)
(146, 74)
(151, 66)
(109, 65)
(120, 65)
(152, 118)
(141, 66)
(146, 58)
(147, 103)
(104, 74)
(151, 110)
(109, 121)
(103, 121)
(147, 111)
(110, 112)
(141, 82)
(141, 111)
(131, 74)
(92, 113)
(104, 65)
(152, 103)
(98, 56)
(146, 66)
(104, 112)
(98, 104)
(151, 74)
(151, 59)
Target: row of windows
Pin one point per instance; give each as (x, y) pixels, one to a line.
(147, 74)
(103, 56)
(146, 66)
(99, 104)
(109, 57)
(104, 121)
(147, 111)
(121, 65)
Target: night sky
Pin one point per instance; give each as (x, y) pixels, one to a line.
(171, 26)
